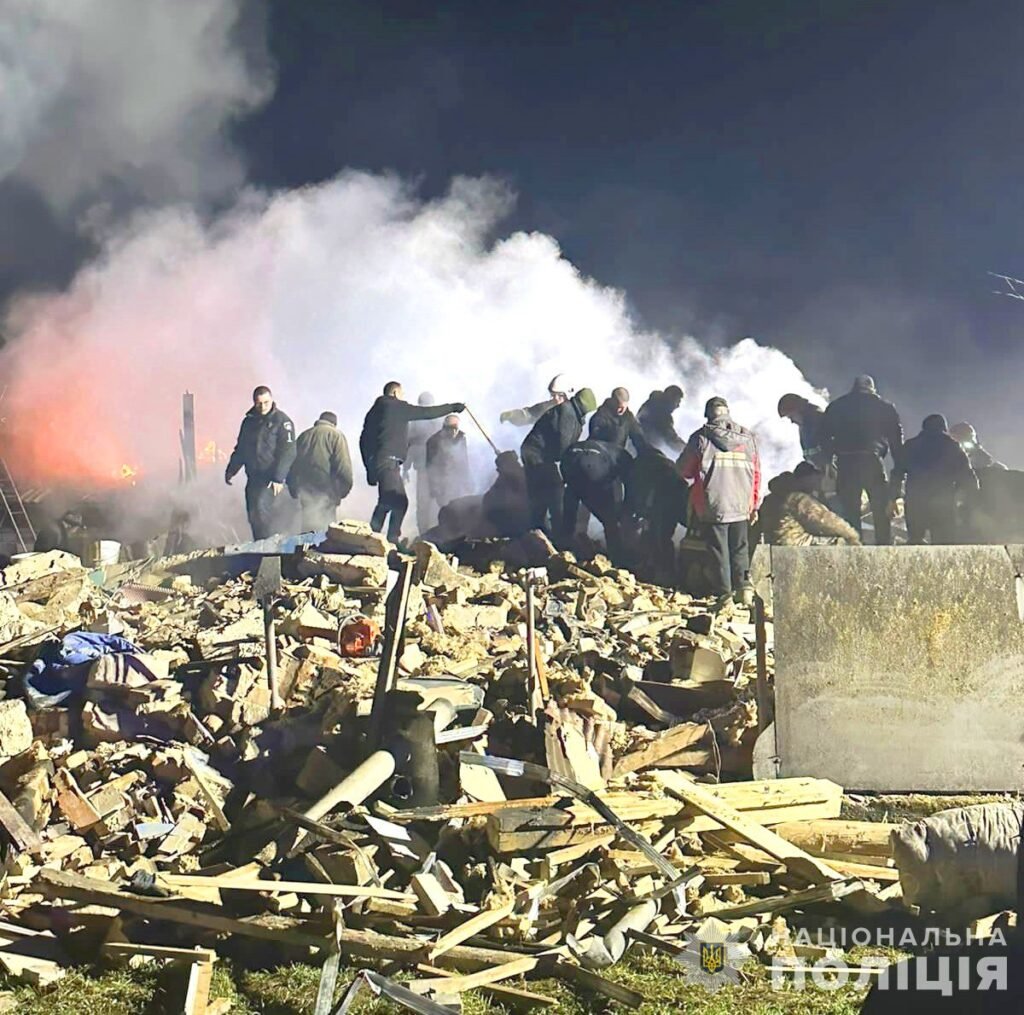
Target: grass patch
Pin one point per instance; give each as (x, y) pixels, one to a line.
(291, 990)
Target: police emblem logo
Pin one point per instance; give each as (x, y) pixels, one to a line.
(712, 957)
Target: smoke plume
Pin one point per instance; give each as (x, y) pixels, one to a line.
(325, 294)
(125, 99)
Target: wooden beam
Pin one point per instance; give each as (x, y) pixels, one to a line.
(470, 981)
(833, 891)
(795, 859)
(200, 976)
(470, 928)
(302, 887)
(672, 741)
(21, 833)
(63, 885)
(515, 998)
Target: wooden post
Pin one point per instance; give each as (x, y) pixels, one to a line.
(765, 708)
(188, 436)
(532, 690)
(394, 627)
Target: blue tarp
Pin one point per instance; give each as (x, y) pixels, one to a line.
(61, 668)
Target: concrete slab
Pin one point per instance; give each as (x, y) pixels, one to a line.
(900, 668)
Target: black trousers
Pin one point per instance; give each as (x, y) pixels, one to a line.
(730, 556)
(391, 500)
(931, 516)
(261, 508)
(544, 490)
(603, 500)
(859, 473)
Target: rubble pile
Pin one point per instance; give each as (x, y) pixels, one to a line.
(477, 775)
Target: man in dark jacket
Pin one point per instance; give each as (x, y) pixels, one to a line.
(937, 472)
(614, 423)
(321, 475)
(860, 429)
(595, 473)
(384, 445)
(722, 460)
(810, 420)
(655, 419)
(447, 463)
(420, 431)
(552, 435)
(265, 449)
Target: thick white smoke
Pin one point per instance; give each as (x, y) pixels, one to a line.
(325, 294)
(131, 92)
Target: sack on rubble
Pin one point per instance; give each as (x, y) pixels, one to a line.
(961, 862)
(62, 667)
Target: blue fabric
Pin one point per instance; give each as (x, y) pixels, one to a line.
(61, 668)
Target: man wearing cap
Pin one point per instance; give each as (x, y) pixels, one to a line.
(552, 435)
(321, 475)
(722, 462)
(860, 429)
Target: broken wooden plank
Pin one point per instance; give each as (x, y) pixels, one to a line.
(470, 928)
(21, 833)
(795, 859)
(302, 887)
(62, 885)
(208, 795)
(832, 891)
(515, 998)
(470, 981)
(672, 741)
(200, 976)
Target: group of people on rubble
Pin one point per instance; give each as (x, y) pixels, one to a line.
(633, 473)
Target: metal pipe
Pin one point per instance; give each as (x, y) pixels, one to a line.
(356, 786)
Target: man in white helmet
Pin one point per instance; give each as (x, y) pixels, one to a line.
(559, 391)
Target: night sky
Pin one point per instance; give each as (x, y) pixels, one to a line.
(832, 178)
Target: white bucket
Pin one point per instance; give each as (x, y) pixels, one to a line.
(105, 551)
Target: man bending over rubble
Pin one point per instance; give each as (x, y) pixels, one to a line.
(792, 514)
(384, 445)
(265, 449)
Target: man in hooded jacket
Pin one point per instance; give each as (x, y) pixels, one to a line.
(937, 471)
(321, 475)
(552, 435)
(860, 429)
(722, 461)
(384, 445)
(265, 449)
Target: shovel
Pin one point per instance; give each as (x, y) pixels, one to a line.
(266, 588)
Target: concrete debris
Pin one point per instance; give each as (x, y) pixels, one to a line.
(166, 794)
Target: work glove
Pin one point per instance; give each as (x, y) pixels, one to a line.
(276, 488)
(227, 478)
(506, 416)
(458, 406)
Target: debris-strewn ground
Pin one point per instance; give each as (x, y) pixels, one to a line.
(175, 805)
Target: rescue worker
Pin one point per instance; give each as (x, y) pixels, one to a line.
(810, 419)
(655, 419)
(937, 471)
(66, 533)
(321, 475)
(595, 473)
(384, 446)
(614, 423)
(265, 449)
(722, 461)
(506, 506)
(552, 435)
(656, 504)
(416, 462)
(860, 430)
(793, 515)
(447, 463)
(559, 391)
(964, 434)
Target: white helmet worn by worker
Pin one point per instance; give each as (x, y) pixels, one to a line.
(560, 386)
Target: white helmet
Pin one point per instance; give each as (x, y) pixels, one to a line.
(560, 386)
